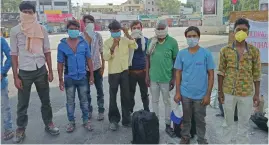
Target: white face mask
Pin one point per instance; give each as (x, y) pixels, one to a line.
(90, 29)
(136, 34)
(192, 41)
(161, 33)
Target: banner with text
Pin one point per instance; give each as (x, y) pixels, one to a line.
(258, 36)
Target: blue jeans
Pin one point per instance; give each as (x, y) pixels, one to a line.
(5, 106)
(98, 82)
(70, 88)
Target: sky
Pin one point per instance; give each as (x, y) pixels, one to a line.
(103, 2)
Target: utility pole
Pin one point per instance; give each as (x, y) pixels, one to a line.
(77, 11)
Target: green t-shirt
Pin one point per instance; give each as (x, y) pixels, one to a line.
(162, 60)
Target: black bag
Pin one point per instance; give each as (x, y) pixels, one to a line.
(261, 121)
(145, 128)
(177, 128)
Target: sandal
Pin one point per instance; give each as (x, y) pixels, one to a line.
(88, 126)
(70, 127)
(8, 134)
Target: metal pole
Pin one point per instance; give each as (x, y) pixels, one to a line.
(233, 7)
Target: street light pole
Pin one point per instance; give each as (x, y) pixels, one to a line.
(233, 7)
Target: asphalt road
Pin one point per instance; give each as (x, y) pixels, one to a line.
(101, 134)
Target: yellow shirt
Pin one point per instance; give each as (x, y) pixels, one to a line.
(119, 61)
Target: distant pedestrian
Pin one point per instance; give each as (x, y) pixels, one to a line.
(239, 70)
(5, 105)
(74, 54)
(116, 52)
(137, 66)
(30, 51)
(194, 83)
(95, 41)
(160, 77)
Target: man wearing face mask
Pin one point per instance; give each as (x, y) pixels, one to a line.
(194, 82)
(161, 55)
(239, 69)
(137, 68)
(116, 52)
(96, 44)
(30, 51)
(74, 55)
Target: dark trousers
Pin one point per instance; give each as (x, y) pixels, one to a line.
(40, 78)
(194, 108)
(138, 77)
(98, 82)
(116, 80)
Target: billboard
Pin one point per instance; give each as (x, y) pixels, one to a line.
(209, 7)
(57, 18)
(52, 11)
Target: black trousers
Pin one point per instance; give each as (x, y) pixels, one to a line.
(116, 80)
(138, 77)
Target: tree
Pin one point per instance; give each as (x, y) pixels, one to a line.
(242, 5)
(10, 5)
(169, 6)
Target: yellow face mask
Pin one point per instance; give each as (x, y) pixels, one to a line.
(240, 36)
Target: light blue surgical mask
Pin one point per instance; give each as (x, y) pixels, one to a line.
(115, 34)
(192, 41)
(73, 33)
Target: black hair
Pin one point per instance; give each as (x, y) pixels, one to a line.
(135, 23)
(27, 5)
(90, 17)
(114, 25)
(192, 28)
(72, 22)
(241, 21)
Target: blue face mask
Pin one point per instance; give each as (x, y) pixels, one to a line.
(115, 34)
(73, 33)
(192, 41)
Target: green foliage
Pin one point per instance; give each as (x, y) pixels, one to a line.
(10, 5)
(242, 5)
(169, 6)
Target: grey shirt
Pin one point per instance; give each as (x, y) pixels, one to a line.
(28, 61)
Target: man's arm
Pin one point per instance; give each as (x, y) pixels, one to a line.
(89, 60)
(60, 64)
(178, 67)
(221, 70)
(7, 63)
(46, 50)
(108, 52)
(60, 67)
(256, 72)
(210, 65)
(178, 74)
(101, 50)
(14, 53)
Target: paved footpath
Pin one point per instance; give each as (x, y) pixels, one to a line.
(101, 134)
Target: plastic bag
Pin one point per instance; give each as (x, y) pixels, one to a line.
(214, 99)
(176, 114)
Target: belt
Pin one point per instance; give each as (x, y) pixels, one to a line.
(137, 71)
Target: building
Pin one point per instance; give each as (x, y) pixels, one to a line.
(133, 7)
(43, 5)
(263, 5)
(105, 9)
(150, 7)
(197, 5)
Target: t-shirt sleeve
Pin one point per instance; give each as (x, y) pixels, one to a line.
(178, 63)
(175, 49)
(210, 62)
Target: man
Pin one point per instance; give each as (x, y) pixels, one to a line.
(74, 55)
(194, 82)
(161, 55)
(30, 50)
(239, 69)
(116, 52)
(96, 43)
(137, 68)
(5, 106)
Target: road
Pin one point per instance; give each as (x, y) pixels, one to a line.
(102, 135)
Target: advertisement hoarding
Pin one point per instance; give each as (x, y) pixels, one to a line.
(209, 7)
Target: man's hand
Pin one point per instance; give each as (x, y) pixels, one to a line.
(125, 30)
(18, 83)
(116, 42)
(171, 84)
(206, 100)
(61, 84)
(87, 37)
(147, 81)
(50, 76)
(256, 100)
(221, 97)
(91, 81)
(102, 69)
(177, 97)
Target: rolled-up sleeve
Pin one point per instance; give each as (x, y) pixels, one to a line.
(106, 53)
(60, 56)
(13, 43)
(46, 42)
(256, 66)
(222, 63)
